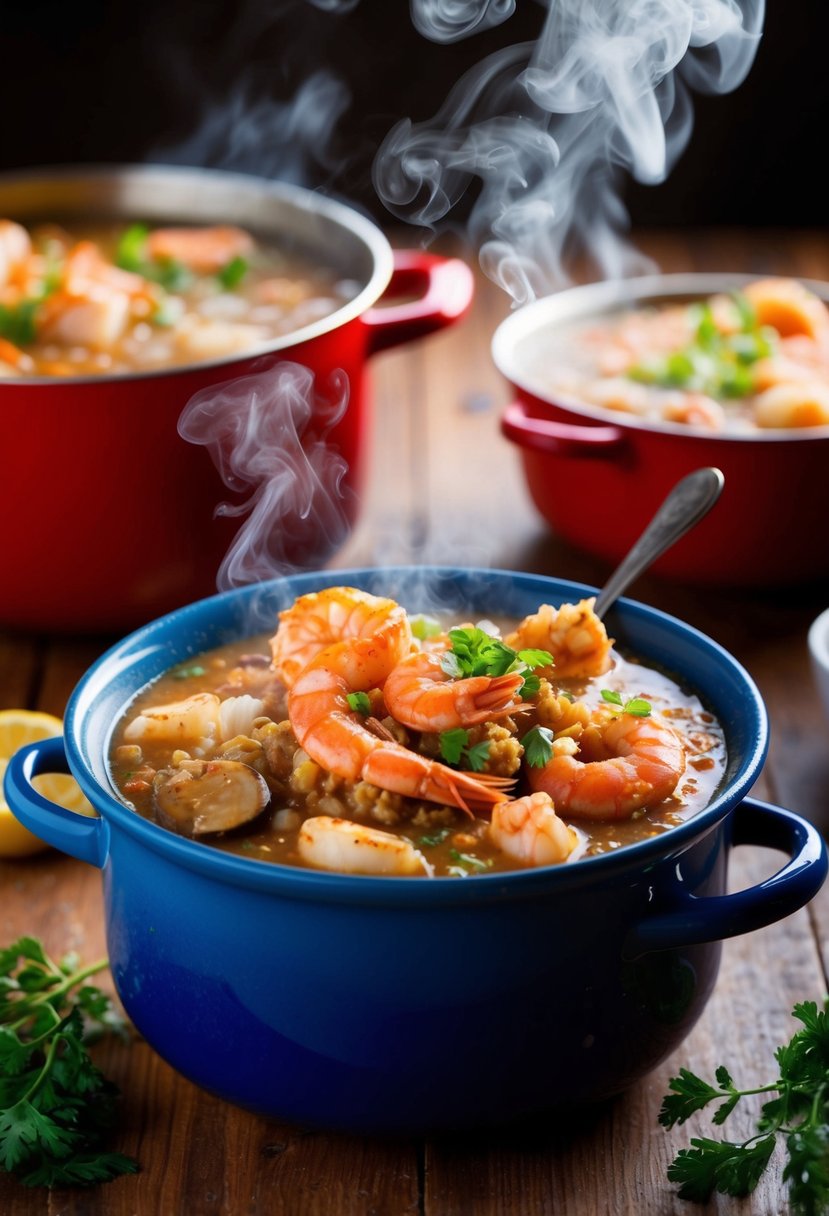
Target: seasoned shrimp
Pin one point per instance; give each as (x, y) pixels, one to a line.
(789, 307)
(15, 250)
(621, 764)
(321, 618)
(573, 634)
(799, 403)
(92, 306)
(204, 250)
(350, 848)
(339, 740)
(529, 830)
(420, 694)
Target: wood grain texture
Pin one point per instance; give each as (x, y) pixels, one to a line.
(444, 487)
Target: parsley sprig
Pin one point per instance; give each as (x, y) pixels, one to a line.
(713, 362)
(55, 1105)
(799, 1113)
(473, 652)
(455, 747)
(637, 706)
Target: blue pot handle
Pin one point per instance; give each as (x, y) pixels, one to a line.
(78, 835)
(697, 919)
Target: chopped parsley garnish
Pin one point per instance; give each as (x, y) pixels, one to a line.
(637, 706)
(424, 627)
(17, 322)
(431, 842)
(454, 747)
(797, 1112)
(131, 254)
(359, 702)
(55, 1105)
(713, 362)
(538, 746)
(466, 863)
(185, 673)
(473, 652)
(231, 275)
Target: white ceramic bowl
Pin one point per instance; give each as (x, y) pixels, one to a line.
(819, 650)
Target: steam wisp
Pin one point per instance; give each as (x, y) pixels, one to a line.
(269, 433)
(547, 128)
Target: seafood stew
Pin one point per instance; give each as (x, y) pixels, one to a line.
(361, 739)
(743, 363)
(118, 298)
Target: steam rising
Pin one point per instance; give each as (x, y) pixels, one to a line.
(546, 128)
(268, 433)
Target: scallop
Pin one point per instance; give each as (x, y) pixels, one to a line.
(201, 797)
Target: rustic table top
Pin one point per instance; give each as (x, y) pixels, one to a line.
(200, 1157)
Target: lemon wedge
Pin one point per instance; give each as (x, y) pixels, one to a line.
(18, 727)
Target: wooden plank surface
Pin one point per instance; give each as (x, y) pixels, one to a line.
(444, 487)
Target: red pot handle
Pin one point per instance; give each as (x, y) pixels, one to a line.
(444, 288)
(557, 438)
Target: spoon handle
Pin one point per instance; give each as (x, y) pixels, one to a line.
(687, 503)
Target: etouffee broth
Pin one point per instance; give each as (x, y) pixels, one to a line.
(107, 298)
(450, 842)
(751, 361)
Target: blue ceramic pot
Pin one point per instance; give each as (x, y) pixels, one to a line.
(405, 1005)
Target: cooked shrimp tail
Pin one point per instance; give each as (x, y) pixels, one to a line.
(421, 695)
(395, 768)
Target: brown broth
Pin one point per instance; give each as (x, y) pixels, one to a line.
(452, 843)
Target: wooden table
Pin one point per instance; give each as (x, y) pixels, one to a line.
(445, 487)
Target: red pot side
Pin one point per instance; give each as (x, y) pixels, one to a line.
(109, 515)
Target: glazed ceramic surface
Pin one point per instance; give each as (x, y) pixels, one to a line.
(403, 1005)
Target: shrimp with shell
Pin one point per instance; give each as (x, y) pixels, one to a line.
(614, 766)
(372, 635)
(419, 693)
(529, 830)
(572, 633)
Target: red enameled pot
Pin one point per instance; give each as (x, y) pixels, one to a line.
(108, 514)
(597, 475)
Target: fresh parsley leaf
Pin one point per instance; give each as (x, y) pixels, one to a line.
(469, 861)
(17, 322)
(637, 706)
(131, 250)
(798, 1113)
(454, 746)
(536, 658)
(185, 673)
(359, 702)
(231, 275)
(538, 746)
(530, 687)
(431, 842)
(424, 627)
(56, 1107)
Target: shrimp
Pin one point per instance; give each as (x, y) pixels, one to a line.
(573, 634)
(92, 306)
(789, 307)
(15, 250)
(420, 694)
(529, 830)
(339, 740)
(204, 250)
(319, 619)
(339, 844)
(622, 763)
(693, 409)
(798, 403)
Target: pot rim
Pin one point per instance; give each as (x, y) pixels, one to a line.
(297, 196)
(591, 300)
(228, 607)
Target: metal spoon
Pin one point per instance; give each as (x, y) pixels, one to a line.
(688, 502)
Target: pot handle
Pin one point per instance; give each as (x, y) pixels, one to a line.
(558, 438)
(700, 919)
(443, 286)
(78, 835)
